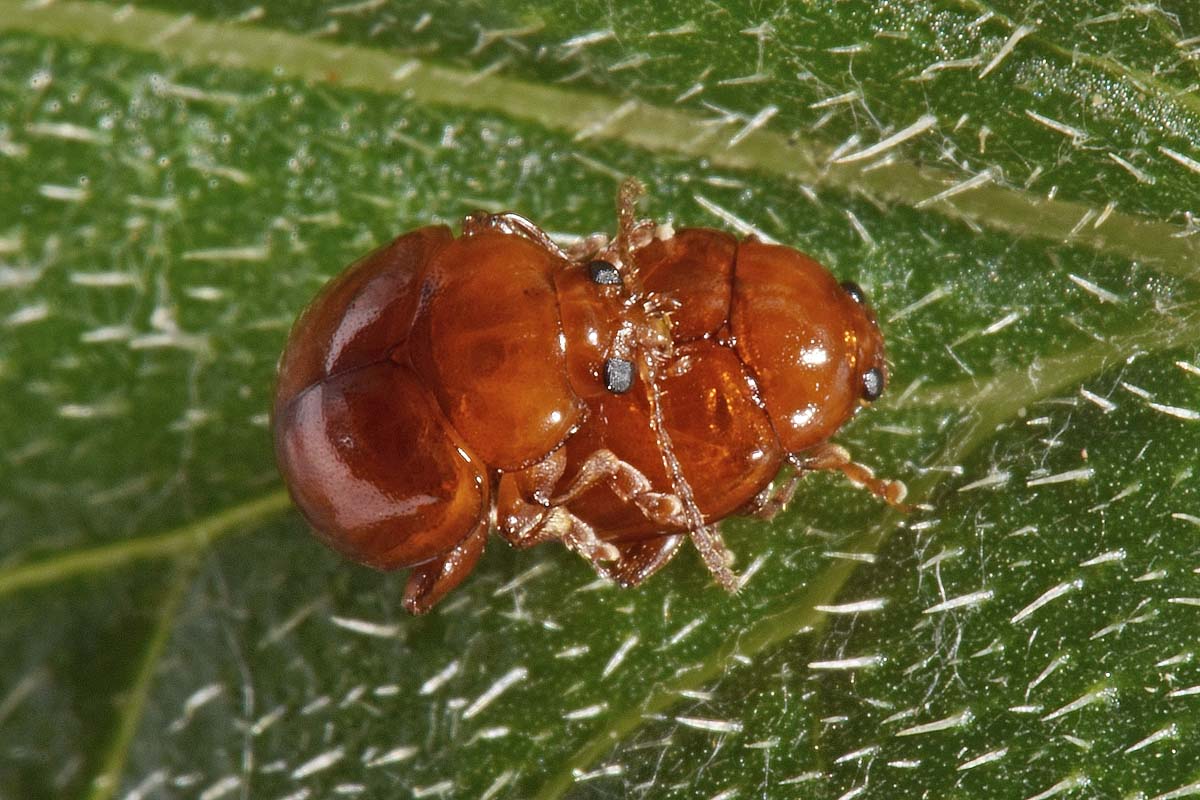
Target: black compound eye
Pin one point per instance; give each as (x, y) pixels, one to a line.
(855, 291)
(872, 384)
(618, 375)
(604, 273)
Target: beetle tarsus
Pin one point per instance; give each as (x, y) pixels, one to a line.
(627, 199)
(577, 535)
(534, 525)
(628, 232)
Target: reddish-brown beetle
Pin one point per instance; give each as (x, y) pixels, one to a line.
(617, 397)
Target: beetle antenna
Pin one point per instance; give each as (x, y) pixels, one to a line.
(706, 538)
(627, 198)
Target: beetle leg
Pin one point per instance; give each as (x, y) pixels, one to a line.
(630, 485)
(627, 483)
(639, 560)
(634, 233)
(511, 223)
(628, 194)
(533, 524)
(524, 524)
(588, 247)
(577, 535)
(836, 457)
(429, 582)
(774, 498)
(639, 234)
(627, 564)
(716, 556)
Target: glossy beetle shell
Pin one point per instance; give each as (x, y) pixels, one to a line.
(443, 386)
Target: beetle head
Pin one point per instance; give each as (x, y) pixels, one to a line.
(870, 372)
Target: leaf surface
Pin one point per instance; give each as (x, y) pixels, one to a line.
(1013, 188)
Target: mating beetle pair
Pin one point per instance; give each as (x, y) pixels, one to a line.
(618, 397)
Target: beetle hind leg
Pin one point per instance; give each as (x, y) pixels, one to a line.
(639, 560)
(668, 510)
(429, 582)
(773, 499)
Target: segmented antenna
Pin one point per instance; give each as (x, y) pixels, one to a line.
(706, 538)
(627, 197)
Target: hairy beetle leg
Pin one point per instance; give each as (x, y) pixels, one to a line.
(537, 524)
(628, 484)
(716, 556)
(525, 524)
(835, 457)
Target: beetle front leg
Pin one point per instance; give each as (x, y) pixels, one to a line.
(525, 524)
(835, 457)
(628, 484)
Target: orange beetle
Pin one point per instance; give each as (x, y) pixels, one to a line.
(617, 397)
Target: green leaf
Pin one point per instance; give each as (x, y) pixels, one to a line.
(1013, 185)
